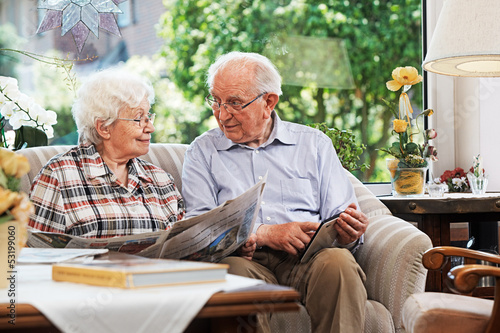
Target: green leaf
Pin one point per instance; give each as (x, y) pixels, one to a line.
(412, 148)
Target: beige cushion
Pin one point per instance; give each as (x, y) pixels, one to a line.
(377, 318)
(441, 312)
(392, 261)
(368, 203)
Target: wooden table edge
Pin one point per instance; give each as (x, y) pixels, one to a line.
(221, 304)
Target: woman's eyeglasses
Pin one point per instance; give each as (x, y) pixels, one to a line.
(143, 120)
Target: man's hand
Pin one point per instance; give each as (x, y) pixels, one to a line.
(350, 225)
(246, 250)
(291, 237)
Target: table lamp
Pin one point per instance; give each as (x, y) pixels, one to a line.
(466, 40)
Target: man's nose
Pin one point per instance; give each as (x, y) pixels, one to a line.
(224, 113)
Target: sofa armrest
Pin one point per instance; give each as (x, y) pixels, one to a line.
(392, 261)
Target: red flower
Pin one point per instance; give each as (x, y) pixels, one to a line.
(455, 173)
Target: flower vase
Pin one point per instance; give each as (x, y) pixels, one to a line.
(406, 182)
(477, 184)
(11, 237)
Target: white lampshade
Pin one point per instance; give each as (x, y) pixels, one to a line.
(466, 41)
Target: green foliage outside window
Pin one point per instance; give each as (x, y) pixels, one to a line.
(378, 35)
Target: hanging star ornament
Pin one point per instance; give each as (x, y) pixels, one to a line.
(80, 17)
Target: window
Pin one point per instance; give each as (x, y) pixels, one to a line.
(125, 19)
(335, 58)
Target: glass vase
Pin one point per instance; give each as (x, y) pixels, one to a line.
(477, 184)
(406, 182)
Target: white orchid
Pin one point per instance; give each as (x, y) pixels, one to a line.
(22, 110)
(9, 88)
(8, 109)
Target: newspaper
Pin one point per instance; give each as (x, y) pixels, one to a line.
(208, 237)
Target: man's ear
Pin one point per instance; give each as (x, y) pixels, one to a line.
(102, 129)
(271, 100)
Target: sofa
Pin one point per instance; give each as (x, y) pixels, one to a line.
(391, 256)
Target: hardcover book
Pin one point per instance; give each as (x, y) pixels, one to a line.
(139, 273)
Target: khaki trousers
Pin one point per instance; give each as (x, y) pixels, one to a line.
(331, 285)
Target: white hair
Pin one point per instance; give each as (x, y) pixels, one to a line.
(266, 79)
(103, 95)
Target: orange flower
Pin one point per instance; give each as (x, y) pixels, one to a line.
(403, 76)
(399, 125)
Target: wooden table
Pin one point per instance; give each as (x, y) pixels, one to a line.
(434, 216)
(224, 311)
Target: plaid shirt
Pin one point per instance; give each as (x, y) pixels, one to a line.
(76, 193)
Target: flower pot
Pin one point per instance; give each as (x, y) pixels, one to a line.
(10, 237)
(406, 182)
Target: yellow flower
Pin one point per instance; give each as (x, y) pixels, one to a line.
(13, 164)
(428, 112)
(399, 125)
(7, 199)
(403, 76)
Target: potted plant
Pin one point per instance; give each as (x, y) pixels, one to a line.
(344, 141)
(409, 165)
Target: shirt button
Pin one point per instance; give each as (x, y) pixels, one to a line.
(268, 218)
(256, 151)
(260, 177)
(262, 203)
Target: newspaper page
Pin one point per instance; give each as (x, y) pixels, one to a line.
(207, 237)
(217, 233)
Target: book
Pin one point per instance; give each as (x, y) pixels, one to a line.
(323, 237)
(207, 237)
(139, 273)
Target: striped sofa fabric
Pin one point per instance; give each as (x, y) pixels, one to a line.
(390, 257)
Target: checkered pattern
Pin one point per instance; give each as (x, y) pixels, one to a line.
(76, 193)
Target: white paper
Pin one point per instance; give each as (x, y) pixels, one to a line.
(51, 255)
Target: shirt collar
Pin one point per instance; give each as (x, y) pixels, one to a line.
(280, 132)
(95, 166)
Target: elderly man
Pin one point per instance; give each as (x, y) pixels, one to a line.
(306, 184)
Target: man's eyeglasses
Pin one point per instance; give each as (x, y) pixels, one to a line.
(143, 120)
(231, 107)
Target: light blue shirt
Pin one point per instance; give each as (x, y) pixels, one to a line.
(305, 182)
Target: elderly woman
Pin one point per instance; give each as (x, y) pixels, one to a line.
(101, 188)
